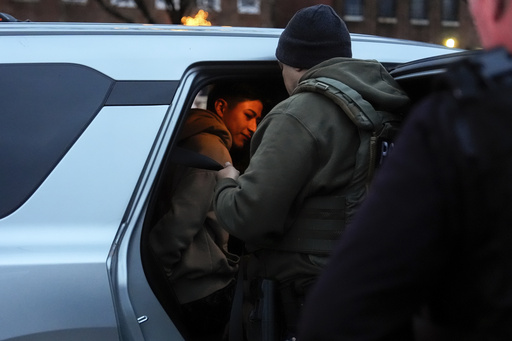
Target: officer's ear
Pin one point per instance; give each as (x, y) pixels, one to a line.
(500, 8)
(220, 106)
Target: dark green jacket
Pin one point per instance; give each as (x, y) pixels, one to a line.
(303, 151)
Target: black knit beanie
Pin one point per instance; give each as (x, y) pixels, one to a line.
(314, 34)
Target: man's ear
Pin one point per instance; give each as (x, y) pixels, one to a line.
(220, 106)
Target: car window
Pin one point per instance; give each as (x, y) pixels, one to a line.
(44, 108)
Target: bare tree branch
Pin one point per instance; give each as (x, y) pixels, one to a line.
(112, 11)
(176, 14)
(141, 4)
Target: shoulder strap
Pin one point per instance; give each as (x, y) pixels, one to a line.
(359, 110)
(374, 126)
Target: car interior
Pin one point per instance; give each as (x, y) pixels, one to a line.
(266, 76)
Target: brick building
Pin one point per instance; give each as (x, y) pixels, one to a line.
(431, 21)
(422, 20)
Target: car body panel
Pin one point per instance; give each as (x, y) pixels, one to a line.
(72, 246)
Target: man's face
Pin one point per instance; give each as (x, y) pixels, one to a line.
(480, 13)
(241, 120)
(492, 21)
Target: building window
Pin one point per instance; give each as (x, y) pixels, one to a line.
(450, 12)
(123, 3)
(162, 5)
(387, 11)
(248, 6)
(209, 5)
(419, 12)
(353, 10)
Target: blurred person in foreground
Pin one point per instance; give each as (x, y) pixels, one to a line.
(303, 163)
(429, 254)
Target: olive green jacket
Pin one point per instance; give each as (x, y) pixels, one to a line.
(303, 151)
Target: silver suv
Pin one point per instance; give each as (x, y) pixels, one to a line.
(88, 118)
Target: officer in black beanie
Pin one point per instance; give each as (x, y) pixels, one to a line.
(313, 35)
(302, 184)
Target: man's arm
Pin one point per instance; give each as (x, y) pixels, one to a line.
(257, 204)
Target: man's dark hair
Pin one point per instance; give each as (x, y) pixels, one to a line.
(233, 93)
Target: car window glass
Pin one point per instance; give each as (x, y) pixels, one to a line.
(37, 101)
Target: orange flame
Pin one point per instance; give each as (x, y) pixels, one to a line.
(198, 20)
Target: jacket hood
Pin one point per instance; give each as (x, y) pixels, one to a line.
(201, 121)
(368, 77)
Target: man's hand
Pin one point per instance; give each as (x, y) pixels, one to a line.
(228, 172)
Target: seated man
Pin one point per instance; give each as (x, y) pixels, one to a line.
(187, 239)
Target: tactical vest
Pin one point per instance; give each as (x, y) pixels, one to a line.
(323, 219)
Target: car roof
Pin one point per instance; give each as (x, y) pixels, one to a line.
(170, 49)
(64, 28)
(50, 28)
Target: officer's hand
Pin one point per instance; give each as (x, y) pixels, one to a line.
(228, 172)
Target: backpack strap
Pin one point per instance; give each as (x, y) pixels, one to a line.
(374, 126)
(359, 110)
